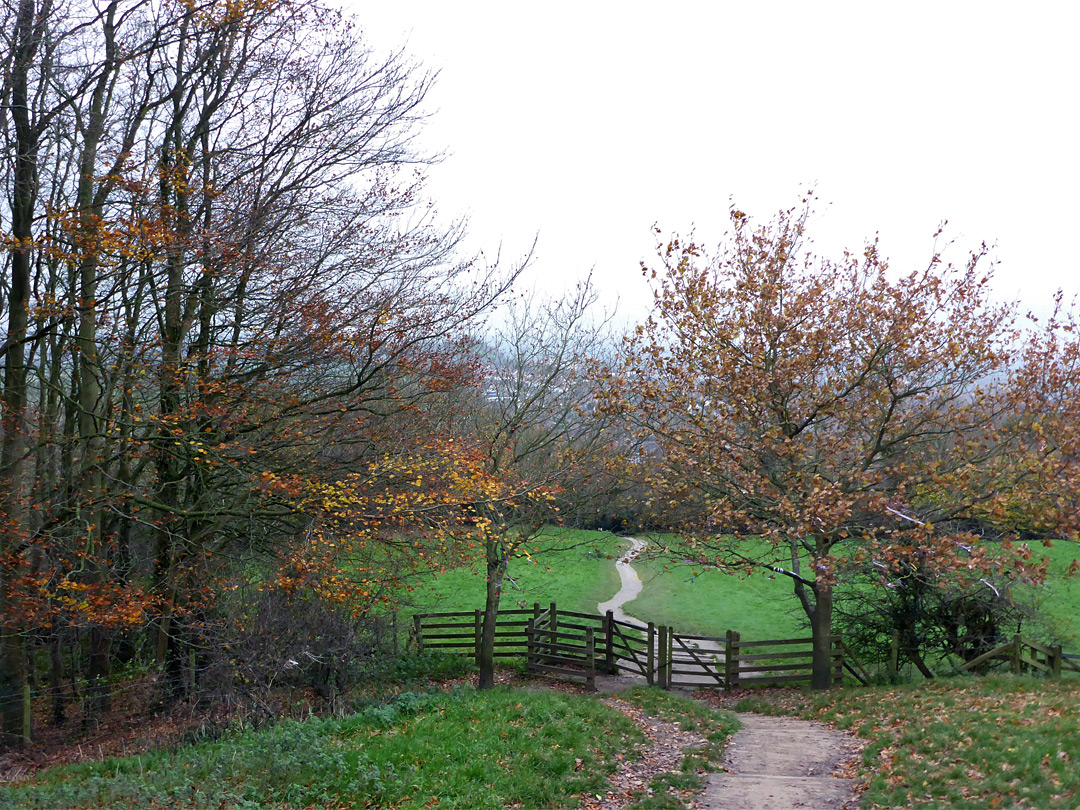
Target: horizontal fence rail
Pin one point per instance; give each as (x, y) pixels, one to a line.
(1024, 655)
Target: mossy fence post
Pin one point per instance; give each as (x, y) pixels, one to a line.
(530, 643)
(590, 659)
(662, 672)
(478, 631)
(553, 626)
(418, 632)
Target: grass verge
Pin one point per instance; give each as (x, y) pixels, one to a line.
(457, 749)
(966, 743)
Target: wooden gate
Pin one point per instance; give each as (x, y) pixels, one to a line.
(697, 661)
(629, 647)
(563, 643)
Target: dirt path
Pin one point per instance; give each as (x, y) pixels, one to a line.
(773, 763)
(779, 763)
(630, 588)
(630, 585)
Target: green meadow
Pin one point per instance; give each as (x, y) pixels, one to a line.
(576, 569)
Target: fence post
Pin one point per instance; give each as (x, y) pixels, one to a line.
(418, 632)
(661, 666)
(1055, 662)
(670, 654)
(609, 643)
(1016, 655)
(590, 659)
(894, 654)
(731, 660)
(651, 655)
(554, 627)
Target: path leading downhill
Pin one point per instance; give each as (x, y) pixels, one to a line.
(780, 763)
(772, 763)
(629, 587)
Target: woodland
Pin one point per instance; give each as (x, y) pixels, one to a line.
(253, 389)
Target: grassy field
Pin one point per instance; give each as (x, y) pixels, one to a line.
(455, 749)
(1058, 599)
(572, 567)
(708, 602)
(577, 571)
(967, 743)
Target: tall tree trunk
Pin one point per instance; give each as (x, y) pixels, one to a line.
(821, 631)
(15, 727)
(92, 405)
(816, 599)
(56, 676)
(496, 571)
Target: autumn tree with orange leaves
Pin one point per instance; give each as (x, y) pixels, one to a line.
(226, 298)
(835, 410)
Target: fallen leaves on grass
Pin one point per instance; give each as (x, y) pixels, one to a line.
(664, 753)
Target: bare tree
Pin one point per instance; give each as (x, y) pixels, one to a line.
(537, 427)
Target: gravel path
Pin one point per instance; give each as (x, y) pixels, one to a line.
(780, 763)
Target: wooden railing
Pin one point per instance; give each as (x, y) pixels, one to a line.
(1024, 655)
(459, 632)
(562, 643)
(778, 661)
(570, 644)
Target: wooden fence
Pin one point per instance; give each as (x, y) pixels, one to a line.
(563, 644)
(1024, 655)
(459, 632)
(570, 644)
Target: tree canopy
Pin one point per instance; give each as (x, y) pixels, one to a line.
(840, 411)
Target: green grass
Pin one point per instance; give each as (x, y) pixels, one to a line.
(572, 567)
(460, 749)
(1058, 599)
(578, 571)
(455, 749)
(707, 602)
(966, 743)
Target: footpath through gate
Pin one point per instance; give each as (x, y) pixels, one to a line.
(566, 643)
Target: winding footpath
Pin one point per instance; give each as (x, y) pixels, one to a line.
(772, 763)
(630, 585)
(630, 588)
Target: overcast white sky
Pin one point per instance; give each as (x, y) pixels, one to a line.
(589, 121)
